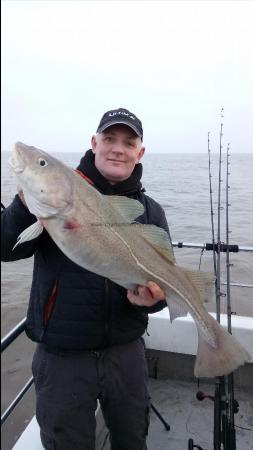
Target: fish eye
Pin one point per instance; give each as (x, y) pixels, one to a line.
(42, 162)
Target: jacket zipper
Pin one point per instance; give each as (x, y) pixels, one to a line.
(49, 307)
(50, 303)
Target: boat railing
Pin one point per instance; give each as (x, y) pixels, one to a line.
(5, 342)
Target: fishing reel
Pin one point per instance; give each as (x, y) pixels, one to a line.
(201, 396)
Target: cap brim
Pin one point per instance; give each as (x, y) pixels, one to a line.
(118, 122)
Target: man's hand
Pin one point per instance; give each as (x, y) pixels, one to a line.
(146, 295)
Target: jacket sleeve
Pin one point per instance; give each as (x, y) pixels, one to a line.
(152, 309)
(15, 219)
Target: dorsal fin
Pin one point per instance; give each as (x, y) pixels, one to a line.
(128, 208)
(159, 239)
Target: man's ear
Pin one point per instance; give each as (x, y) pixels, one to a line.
(142, 151)
(94, 143)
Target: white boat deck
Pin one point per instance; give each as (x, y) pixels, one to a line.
(187, 417)
(30, 439)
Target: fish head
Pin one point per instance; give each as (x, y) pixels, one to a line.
(45, 181)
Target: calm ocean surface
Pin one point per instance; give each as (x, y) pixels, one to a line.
(180, 183)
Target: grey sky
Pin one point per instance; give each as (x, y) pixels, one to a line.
(174, 64)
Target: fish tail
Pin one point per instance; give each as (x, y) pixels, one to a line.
(222, 358)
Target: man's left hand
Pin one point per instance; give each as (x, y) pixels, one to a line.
(146, 295)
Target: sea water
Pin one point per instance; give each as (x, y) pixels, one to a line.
(181, 184)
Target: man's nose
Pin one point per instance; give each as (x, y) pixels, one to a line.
(118, 148)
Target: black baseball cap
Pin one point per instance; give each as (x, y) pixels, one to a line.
(121, 115)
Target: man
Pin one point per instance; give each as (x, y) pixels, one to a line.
(89, 330)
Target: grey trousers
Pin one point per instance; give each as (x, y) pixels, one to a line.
(68, 385)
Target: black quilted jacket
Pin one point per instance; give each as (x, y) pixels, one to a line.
(70, 307)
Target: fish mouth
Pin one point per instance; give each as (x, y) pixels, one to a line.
(16, 160)
(16, 165)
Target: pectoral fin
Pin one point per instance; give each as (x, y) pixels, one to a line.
(29, 233)
(175, 306)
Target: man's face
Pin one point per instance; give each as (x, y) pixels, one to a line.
(117, 150)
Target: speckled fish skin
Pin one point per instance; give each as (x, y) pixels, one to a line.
(97, 232)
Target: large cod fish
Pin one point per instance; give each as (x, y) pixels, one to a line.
(98, 232)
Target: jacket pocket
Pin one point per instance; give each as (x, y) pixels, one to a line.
(50, 303)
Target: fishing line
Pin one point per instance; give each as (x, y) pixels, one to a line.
(201, 254)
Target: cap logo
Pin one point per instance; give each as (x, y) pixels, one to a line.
(120, 116)
(121, 113)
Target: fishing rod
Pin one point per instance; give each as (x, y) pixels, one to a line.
(216, 248)
(217, 273)
(219, 395)
(221, 430)
(225, 406)
(211, 203)
(232, 403)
